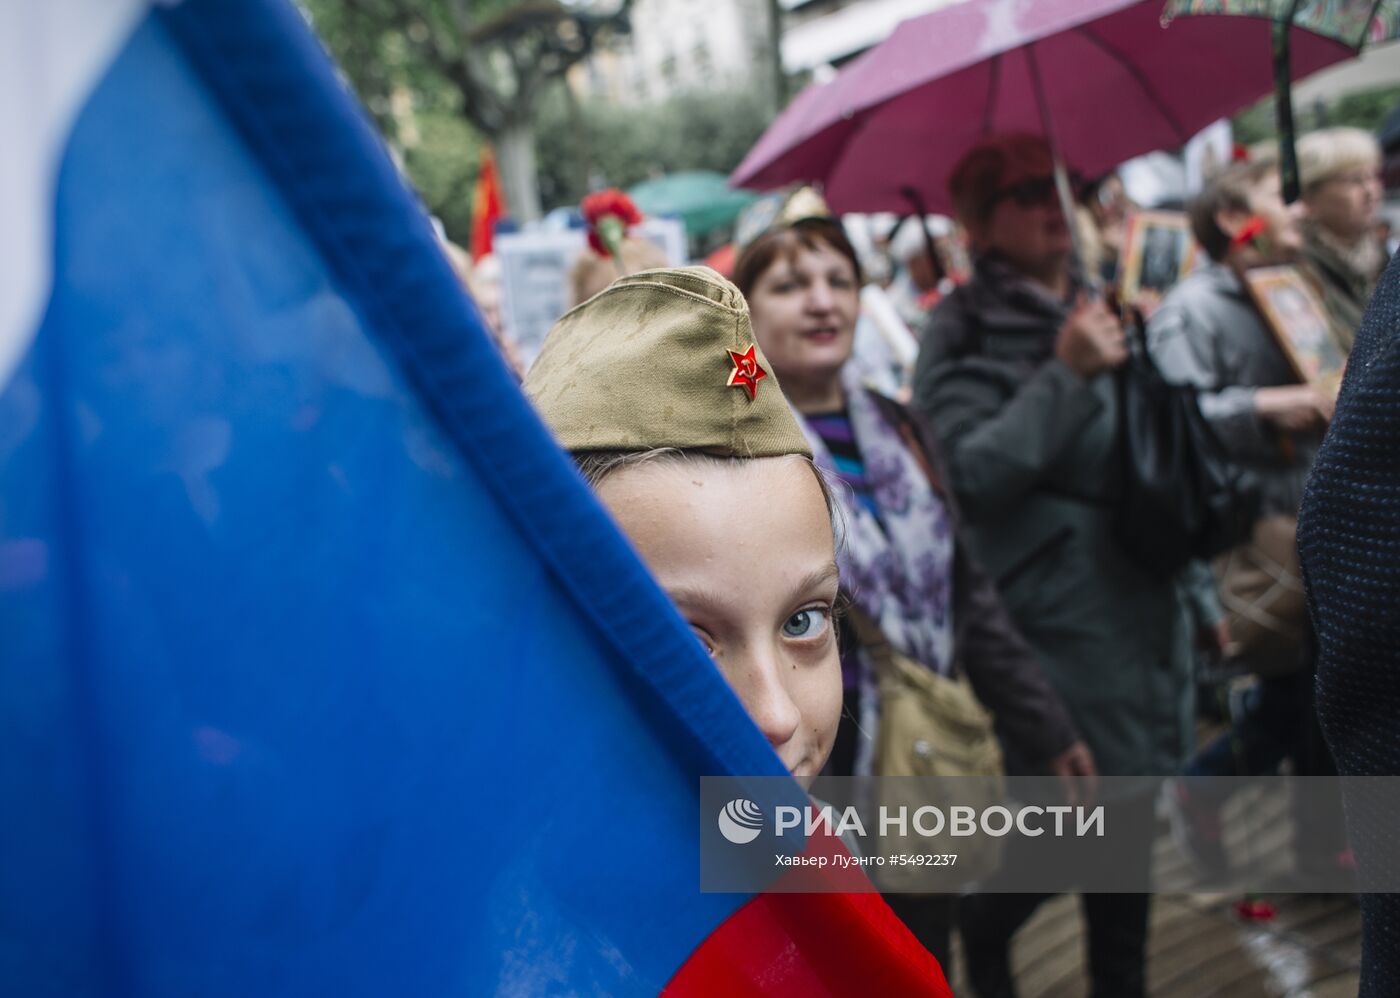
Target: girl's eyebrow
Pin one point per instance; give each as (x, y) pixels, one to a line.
(697, 599)
(828, 575)
(701, 599)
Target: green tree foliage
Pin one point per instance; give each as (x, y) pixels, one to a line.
(488, 63)
(1362, 109)
(590, 145)
(443, 166)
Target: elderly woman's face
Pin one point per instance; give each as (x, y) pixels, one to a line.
(1346, 204)
(745, 551)
(804, 310)
(1025, 224)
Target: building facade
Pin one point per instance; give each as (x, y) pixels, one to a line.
(687, 45)
(679, 46)
(818, 34)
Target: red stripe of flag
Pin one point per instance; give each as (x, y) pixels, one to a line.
(784, 944)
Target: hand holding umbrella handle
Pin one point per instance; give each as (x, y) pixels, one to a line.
(1091, 340)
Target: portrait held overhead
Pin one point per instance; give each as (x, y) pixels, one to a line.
(1159, 252)
(635, 497)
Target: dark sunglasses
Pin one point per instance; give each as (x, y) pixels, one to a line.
(1034, 191)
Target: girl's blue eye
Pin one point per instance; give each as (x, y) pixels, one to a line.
(805, 623)
(704, 642)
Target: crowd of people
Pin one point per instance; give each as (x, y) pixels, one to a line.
(961, 498)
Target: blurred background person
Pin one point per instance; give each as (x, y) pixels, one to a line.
(594, 271)
(1340, 173)
(1103, 212)
(1015, 372)
(919, 279)
(482, 280)
(612, 250)
(904, 560)
(1208, 333)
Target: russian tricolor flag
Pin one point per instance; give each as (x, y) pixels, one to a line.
(320, 671)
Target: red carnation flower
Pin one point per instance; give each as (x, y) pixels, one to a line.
(1253, 228)
(1254, 910)
(609, 215)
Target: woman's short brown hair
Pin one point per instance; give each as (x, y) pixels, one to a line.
(984, 169)
(807, 234)
(1228, 190)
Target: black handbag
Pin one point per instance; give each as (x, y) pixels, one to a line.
(1181, 498)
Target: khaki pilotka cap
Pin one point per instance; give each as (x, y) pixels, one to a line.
(663, 358)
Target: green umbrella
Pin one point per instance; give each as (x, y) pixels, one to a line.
(1353, 23)
(703, 200)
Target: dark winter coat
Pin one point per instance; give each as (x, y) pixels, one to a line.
(1032, 457)
(1349, 536)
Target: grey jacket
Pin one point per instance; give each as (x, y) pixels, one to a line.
(1030, 453)
(1208, 333)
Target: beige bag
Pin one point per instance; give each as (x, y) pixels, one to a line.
(931, 726)
(1261, 588)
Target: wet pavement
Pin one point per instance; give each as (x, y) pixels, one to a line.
(1199, 946)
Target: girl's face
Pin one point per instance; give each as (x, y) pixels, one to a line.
(745, 551)
(804, 310)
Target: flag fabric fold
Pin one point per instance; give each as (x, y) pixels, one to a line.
(323, 673)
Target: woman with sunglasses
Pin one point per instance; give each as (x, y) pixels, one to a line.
(1015, 371)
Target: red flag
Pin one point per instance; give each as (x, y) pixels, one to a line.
(782, 945)
(487, 205)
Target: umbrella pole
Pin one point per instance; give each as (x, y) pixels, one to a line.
(1283, 102)
(1062, 187)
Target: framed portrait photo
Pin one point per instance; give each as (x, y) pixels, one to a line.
(1298, 319)
(1158, 251)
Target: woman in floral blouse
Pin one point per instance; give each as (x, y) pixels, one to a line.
(902, 562)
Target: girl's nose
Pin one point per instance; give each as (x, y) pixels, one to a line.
(769, 703)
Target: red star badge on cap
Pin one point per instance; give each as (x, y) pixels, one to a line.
(746, 374)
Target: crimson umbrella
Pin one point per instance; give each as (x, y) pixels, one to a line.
(1103, 79)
